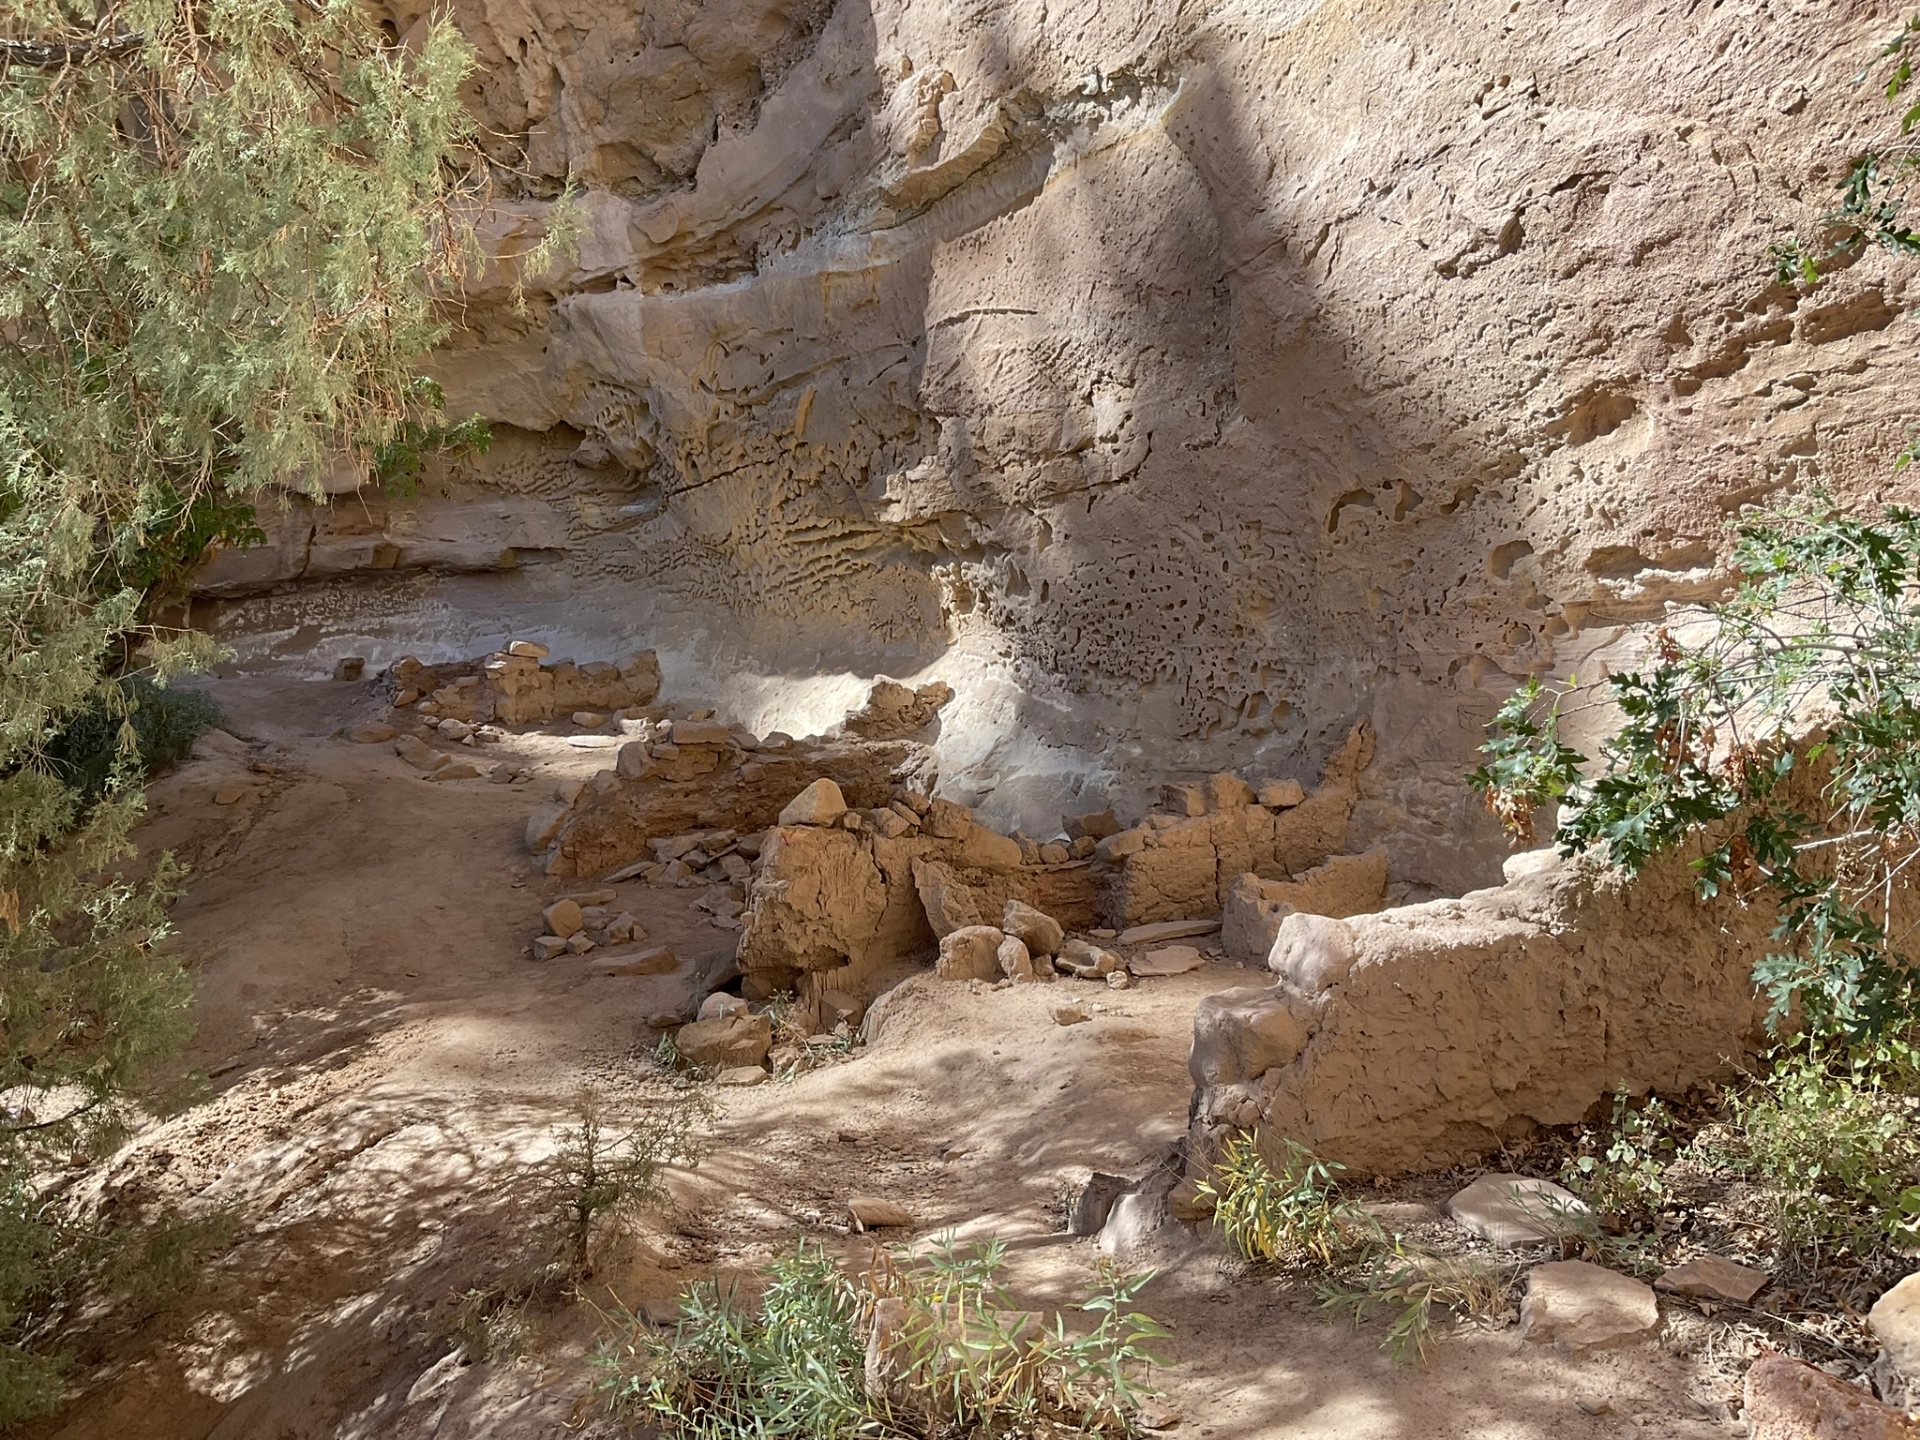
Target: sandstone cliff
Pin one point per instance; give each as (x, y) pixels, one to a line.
(1180, 380)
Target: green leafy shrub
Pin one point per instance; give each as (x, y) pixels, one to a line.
(1409, 1285)
(1285, 1215)
(915, 1347)
(1832, 1142)
(1621, 1170)
(158, 724)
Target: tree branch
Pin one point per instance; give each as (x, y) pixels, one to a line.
(58, 54)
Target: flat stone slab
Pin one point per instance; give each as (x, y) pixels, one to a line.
(1708, 1277)
(651, 960)
(1517, 1210)
(1577, 1306)
(1167, 960)
(1167, 930)
(593, 742)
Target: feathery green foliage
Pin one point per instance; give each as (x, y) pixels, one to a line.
(221, 222)
(916, 1347)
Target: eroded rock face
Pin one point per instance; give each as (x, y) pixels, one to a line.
(1129, 366)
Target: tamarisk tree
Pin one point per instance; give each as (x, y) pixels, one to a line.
(222, 223)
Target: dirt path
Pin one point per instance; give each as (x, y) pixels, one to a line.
(384, 1062)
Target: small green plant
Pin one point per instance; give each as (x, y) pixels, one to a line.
(599, 1176)
(1408, 1285)
(916, 1347)
(1621, 1170)
(1287, 1215)
(490, 1322)
(1831, 1140)
(425, 431)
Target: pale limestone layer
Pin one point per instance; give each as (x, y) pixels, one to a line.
(1180, 383)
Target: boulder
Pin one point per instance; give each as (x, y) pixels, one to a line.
(1120, 845)
(1517, 1210)
(1016, 963)
(1041, 933)
(970, 953)
(372, 732)
(1895, 1319)
(563, 918)
(1708, 1277)
(1788, 1399)
(821, 803)
(726, 1041)
(1577, 1306)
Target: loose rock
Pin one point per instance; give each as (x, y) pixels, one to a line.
(1015, 961)
(455, 770)
(821, 803)
(1517, 1210)
(1167, 960)
(1895, 1319)
(532, 649)
(1041, 933)
(1787, 1399)
(1282, 794)
(1711, 1278)
(546, 947)
(1069, 1014)
(741, 1075)
(563, 918)
(1578, 1306)
(870, 1212)
(970, 953)
(721, 1005)
(726, 1042)
(1167, 930)
(371, 732)
(1087, 961)
(417, 753)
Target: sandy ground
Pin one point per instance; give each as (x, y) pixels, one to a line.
(383, 1063)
